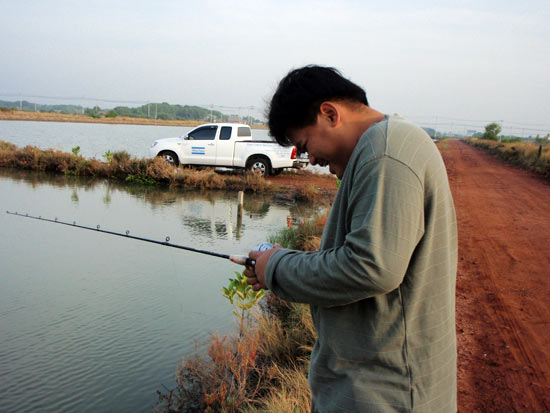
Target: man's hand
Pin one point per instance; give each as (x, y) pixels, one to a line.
(255, 276)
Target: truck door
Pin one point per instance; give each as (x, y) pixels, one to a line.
(225, 147)
(200, 146)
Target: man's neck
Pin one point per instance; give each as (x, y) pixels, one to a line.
(362, 119)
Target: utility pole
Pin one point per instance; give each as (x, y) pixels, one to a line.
(155, 111)
(148, 112)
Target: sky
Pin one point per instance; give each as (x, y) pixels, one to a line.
(455, 65)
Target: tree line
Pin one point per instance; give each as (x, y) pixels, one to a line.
(164, 111)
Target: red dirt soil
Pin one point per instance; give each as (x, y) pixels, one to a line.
(503, 283)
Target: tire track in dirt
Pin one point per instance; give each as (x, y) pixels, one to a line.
(503, 283)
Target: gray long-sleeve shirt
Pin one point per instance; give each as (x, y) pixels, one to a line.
(382, 285)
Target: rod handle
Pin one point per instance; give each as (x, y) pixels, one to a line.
(242, 260)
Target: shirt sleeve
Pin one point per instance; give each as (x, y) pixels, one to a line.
(384, 222)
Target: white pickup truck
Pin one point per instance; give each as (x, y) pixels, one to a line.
(228, 145)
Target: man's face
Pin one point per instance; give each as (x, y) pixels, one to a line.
(323, 145)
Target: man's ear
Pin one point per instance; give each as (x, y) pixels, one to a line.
(330, 111)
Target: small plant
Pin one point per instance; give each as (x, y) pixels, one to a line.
(242, 296)
(76, 151)
(108, 156)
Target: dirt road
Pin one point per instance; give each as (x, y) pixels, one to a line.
(503, 284)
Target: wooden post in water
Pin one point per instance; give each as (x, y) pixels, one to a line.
(240, 199)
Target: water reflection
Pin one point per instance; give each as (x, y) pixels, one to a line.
(212, 214)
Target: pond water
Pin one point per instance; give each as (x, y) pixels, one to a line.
(91, 322)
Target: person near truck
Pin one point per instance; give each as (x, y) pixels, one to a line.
(382, 285)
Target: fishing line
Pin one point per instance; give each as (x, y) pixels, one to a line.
(237, 259)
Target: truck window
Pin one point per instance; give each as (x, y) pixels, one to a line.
(244, 131)
(206, 133)
(225, 133)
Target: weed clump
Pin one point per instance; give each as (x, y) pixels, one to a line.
(306, 236)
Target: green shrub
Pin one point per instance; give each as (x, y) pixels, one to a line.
(140, 179)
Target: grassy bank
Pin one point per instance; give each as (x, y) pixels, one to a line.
(123, 167)
(124, 120)
(261, 368)
(527, 155)
(60, 117)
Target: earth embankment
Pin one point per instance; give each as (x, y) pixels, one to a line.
(503, 283)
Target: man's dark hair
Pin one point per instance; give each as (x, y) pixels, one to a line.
(297, 100)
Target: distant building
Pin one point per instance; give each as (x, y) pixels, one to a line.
(234, 118)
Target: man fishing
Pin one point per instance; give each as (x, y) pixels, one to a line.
(382, 285)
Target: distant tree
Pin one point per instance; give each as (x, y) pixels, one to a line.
(111, 114)
(492, 130)
(95, 112)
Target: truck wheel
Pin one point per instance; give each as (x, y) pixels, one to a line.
(259, 166)
(169, 157)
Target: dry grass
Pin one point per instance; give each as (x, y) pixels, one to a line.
(291, 395)
(262, 369)
(527, 155)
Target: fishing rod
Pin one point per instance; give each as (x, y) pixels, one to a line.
(237, 259)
